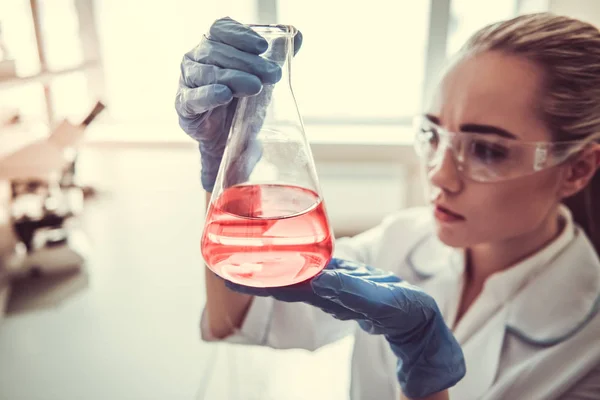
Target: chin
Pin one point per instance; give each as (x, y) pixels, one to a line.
(453, 236)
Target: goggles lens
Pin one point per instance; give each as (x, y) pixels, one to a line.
(486, 157)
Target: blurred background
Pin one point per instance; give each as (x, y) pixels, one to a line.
(101, 210)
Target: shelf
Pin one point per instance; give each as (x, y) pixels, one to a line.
(44, 77)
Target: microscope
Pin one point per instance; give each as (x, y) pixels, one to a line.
(45, 203)
(44, 221)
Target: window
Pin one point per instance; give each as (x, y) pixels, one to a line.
(52, 78)
(70, 96)
(19, 35)
(362, 61)
(60, 30)
(467, 16)
(19, 38)
(142, 51)
(28, 98)
(360, 76)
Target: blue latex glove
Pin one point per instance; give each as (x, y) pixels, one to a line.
(429, 357)
(226, 65)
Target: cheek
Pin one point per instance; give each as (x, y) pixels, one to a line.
(504, 210)
(512, 208)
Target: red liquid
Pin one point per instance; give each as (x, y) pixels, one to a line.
(267, 235)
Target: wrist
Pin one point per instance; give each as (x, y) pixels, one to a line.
(437, 360)
(209, 168)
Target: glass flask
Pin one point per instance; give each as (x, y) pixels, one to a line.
(266, 224)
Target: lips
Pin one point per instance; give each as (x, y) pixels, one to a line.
(445, 215)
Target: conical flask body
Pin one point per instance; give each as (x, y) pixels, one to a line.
(266, 224)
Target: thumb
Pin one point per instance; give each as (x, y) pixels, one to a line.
(375, 300)
(347, 290)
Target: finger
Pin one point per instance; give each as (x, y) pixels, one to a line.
(362, 270)
(192, 102)
(228, 57)
(341, 313)
(296, 293)
(305, 294)
(338, 264)
(374, 300)
(367, 326)
(242, 37)
(240, 83)
(278, 50)
(297, 42)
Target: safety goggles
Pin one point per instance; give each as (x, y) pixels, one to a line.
(485, 157)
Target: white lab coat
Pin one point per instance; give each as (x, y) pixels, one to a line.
(533, 333)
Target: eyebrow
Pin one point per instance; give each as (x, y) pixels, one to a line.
(477, 128)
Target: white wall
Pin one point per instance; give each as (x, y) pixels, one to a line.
(586, 10)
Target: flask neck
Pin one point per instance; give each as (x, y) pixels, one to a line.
(280, 39)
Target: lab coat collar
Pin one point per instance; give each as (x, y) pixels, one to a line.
(429, 258)
(561, 299)
(438, 270)
(560, 293)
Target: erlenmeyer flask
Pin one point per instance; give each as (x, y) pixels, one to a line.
(267, 224)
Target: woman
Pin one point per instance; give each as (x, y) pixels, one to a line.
(508, 248)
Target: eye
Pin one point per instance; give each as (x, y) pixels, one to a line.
(429, 134)
(488, 152)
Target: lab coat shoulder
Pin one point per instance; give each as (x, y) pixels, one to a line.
(391, 244)
(279, 324)
(558, 318)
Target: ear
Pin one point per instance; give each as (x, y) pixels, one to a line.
(580, 171)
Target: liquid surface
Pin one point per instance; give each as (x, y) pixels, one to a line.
(266, 235)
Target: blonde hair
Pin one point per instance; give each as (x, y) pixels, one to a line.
(568, 50)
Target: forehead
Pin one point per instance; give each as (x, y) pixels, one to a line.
(492, 88)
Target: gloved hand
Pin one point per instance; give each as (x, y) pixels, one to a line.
(429, 357)
(226, 65)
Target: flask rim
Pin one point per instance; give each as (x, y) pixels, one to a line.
(274, 29)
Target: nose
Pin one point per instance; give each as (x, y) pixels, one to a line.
(445, 174)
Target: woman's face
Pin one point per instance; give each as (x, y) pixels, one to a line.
(491, 92)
